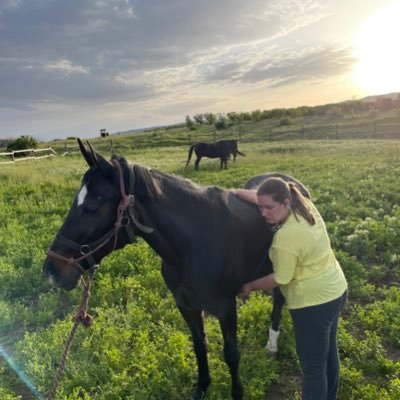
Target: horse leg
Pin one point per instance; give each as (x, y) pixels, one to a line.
(273, 333)
(195, 322)
(228, 323)
(196, 163)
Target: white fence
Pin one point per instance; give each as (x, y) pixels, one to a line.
(26, 154)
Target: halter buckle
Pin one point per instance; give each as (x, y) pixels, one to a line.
(85, 249)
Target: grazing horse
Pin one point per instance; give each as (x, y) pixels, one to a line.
(210, 241)
(221, 149)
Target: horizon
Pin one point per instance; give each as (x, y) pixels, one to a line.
(129, 65)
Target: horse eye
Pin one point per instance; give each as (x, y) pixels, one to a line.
(91, 206)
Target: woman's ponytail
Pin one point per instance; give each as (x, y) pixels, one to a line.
(299, 204)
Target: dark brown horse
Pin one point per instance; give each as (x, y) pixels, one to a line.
(221, 149)
(210, 242)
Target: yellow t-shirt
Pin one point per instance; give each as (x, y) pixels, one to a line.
(304, 264)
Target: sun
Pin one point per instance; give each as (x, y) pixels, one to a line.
(376, 47)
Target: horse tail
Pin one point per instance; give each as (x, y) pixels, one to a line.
(190, 154)
(237, 149)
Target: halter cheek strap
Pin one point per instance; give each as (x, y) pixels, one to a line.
(128, 201)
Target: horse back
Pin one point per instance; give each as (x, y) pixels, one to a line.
(255, 182)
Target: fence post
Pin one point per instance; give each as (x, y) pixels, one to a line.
(336, 131)
(270, 135)
(302, 131)
(375, 128)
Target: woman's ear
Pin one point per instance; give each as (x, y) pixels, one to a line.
(286, 203)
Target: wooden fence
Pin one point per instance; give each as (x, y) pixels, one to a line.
(26, 154)
(247, 132)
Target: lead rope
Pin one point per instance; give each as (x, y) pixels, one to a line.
(86, 320)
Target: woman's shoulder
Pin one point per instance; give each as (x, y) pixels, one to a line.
(293, 228)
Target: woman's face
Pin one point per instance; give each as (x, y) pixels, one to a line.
(273, 212)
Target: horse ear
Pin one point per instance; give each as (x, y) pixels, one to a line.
(93, 154)
(101, 162)
(88, 156)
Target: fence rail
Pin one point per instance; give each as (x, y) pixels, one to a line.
(247, 132)
(26, 154)
(250, 133)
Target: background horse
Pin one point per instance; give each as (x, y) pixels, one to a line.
(210, 241)
(221, 149)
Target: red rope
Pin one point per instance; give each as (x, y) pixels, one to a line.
(83, 317)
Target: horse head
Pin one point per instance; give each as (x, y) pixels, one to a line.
(90, 230)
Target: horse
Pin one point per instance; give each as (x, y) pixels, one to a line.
(210, 242)
(221, 149)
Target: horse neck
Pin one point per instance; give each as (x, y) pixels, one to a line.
(169, 213)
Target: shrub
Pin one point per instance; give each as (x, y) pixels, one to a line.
(22, 143)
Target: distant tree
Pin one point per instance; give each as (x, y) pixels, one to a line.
(246, 116)
(210, 118)
(22, 143)
(221, 122)
(189, 123)
(199, 118)
(233, 116)
(277, 113)
(256, 115)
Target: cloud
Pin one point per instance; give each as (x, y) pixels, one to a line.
(311, 64)
(50, 45)
(83, 54)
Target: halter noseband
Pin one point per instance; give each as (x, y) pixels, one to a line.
(125, 215)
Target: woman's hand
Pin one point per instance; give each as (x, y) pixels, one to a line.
(265, 283)
(245, 194)
(245, 290)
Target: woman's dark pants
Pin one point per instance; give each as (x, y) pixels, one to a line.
(315, 329)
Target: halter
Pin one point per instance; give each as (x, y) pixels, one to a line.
(125, 215)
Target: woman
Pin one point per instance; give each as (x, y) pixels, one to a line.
(310, 279)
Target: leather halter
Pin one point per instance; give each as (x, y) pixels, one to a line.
(125, 216)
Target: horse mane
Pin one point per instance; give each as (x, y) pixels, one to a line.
(151, 182)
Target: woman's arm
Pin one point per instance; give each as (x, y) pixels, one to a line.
(264, 283)
(245, 194)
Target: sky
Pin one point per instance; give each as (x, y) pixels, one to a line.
(71, 68)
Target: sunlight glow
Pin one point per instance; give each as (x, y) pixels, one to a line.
(376, 46)
(19, 372)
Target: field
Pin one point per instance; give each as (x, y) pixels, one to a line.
(139, 347)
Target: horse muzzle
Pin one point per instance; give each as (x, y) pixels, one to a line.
(61, 274)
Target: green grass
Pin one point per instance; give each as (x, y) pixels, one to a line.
(139, 346)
